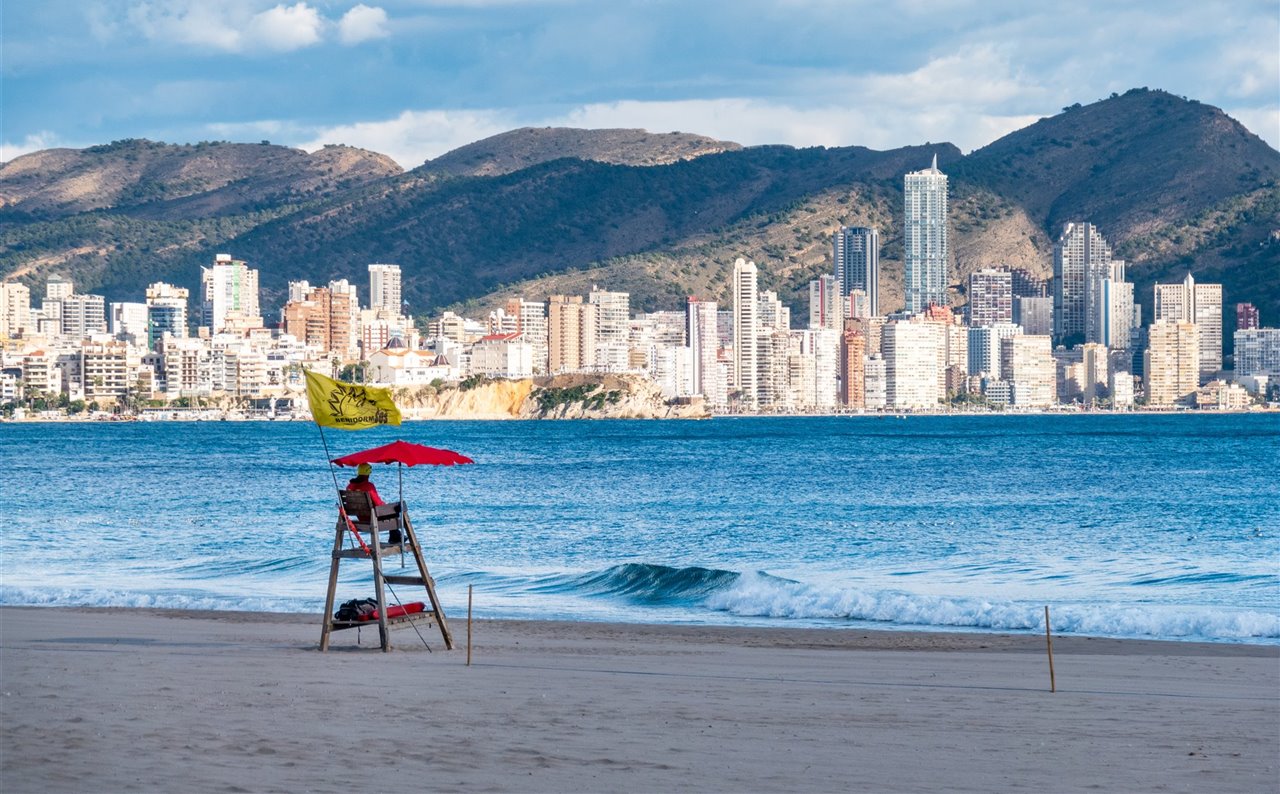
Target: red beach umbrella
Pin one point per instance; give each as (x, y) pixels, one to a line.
(405, 453)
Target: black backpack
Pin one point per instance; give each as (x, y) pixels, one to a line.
(356, 609)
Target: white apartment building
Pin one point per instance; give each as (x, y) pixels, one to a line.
(1028, 365)
(746, 333)
(384, 288)
(984, 348)
(502, 356)
(1201, 304)
(15, 310)
(912, 351)
(230, 296)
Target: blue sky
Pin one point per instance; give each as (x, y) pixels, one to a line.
(415, 78)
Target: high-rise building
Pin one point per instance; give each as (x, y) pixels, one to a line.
(856, 254)
(531, 323)
(1172, 362)
(1095, 371)
(1028, 365)
(613, 318)
(875, 378)
(1258, 352)
(1081, 260)
(166, 312)
(853, 346)
(1201, 304)
(1035, 315)
(571, 334)
(912, 353)
(230, 295)
(1115, 319)
(128, 322)
(704, 341)
(984, 348)
(826, 304)
(1247, 317)
(925, 248)
(746, 332)
(1026, 284)
(990, 297)
(322, 320)
(384, 288)
(15, 309)
(83, 315)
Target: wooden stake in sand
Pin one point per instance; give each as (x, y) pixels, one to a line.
(469, 587)
(1053, 687)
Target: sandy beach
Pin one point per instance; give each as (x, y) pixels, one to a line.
(141, 700)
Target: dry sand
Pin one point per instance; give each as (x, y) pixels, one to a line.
(141, 700)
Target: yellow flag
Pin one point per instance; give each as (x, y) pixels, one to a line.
(347, 406)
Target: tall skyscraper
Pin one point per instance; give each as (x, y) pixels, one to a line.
(853, 346)
(925, 238)
(703, 341)
(1172, 362)
(1201, 304)
(1114, 324)
(856, 254)
(746, 332)
(990, 297)
(230, 295)
(1247, 317)
(1081, 260)
(384, 288)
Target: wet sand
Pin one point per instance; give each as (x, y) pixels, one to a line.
(153, 700)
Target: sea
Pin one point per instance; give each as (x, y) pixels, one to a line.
(1148, 526)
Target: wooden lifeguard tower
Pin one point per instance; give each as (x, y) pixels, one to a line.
(362, 519)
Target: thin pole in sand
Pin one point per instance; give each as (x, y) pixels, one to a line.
(469, 588)
(1053, 687)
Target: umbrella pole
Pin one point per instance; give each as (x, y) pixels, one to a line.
(400, 516)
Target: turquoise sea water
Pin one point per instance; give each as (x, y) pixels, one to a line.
(1133, 526)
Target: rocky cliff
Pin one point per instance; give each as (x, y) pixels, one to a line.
(559, 397)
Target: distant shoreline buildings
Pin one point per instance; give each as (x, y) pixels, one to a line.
(1019, 343)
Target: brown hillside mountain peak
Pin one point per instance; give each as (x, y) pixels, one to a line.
(169, 178)
(529, 146)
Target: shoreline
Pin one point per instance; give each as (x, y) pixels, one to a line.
(833, 638)
(158, 700)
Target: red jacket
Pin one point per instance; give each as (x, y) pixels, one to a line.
(368, 488)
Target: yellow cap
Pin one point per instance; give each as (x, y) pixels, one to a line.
(365, 469)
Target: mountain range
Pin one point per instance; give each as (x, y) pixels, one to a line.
(1174, 185)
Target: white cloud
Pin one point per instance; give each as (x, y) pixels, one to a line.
(415, 136)
(286, 28)
(230, 26)
(32, 143)
(1263, 122)
(362, 23)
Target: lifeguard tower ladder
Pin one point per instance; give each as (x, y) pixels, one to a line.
(372, 523)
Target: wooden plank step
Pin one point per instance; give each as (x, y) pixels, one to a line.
(422, 618)
(398, 579)
(360, 555)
